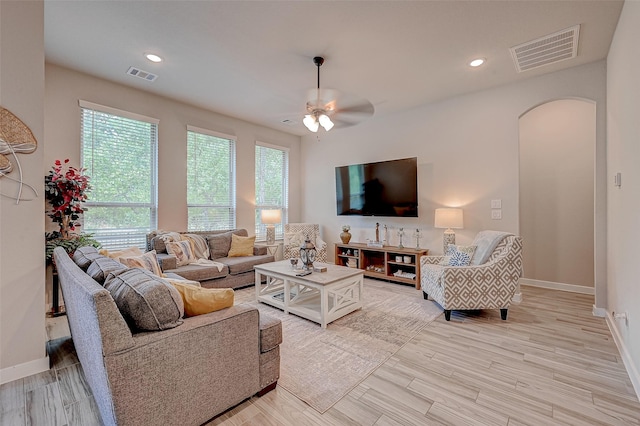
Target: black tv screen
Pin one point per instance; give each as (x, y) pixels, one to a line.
(385, 188)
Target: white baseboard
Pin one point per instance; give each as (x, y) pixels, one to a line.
(557, 286)
(598, 312)
(19, 371)
(632, 370)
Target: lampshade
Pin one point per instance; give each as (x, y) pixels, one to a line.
(448, 218)
(271, 217)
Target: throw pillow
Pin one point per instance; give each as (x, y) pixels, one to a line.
(102, 266)
(294, 238)
(146, 301)
(83, 256)
(241, 246)
(199, 300)
(148, 261)
(183, 252)
(458, 255)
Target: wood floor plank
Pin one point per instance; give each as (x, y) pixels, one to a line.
(12, 396)
(83, 413)
(44, 407)
(73, 385)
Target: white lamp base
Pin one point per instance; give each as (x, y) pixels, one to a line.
(271, 234)
(449, 237)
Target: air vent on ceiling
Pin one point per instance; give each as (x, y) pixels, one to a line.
(289, 122)
(546, 50)
(145, 75)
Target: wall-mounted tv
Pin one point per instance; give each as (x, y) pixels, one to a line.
(385, 188)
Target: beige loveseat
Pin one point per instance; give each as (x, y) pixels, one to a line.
(237, 271)
(183, 375)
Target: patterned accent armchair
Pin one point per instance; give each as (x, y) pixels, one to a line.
(294, 236)
(491, 285)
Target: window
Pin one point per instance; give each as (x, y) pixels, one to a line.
(272, 185)
(119, 152)
(211, 180)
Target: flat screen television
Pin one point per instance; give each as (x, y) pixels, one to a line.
(385, 188)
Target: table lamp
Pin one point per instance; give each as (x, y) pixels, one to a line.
(270, 218)
(450, 219)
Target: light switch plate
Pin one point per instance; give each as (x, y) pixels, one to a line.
(496, 204)
(496, 214)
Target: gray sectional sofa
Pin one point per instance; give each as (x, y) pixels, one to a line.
(185, 373)
(237, 271)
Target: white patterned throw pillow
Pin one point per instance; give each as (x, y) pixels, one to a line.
(458, 255)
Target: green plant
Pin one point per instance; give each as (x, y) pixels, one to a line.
(70, 244)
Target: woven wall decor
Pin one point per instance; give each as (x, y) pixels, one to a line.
(15, 137)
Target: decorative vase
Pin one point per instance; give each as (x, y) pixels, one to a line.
(345, 236)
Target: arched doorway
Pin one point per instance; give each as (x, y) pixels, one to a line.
(557, 173)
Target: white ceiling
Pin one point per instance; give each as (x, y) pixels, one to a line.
(253, 59)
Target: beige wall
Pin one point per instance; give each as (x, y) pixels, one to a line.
(467, 149)
(623, 155)
(65, 87)
(557, 147)
(22, 315)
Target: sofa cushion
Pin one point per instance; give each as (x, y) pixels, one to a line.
(241, 246)
(102, 266)
(146, 301)
(182, 250)
(199, 301)
(220, 243)
(201, 273)
(83, 256)
(147, 261)
(158, 244)
(239, 265)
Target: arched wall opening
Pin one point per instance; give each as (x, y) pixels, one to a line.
(556, 194)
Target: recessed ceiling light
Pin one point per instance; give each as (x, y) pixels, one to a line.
(152, 57)
(476, 62)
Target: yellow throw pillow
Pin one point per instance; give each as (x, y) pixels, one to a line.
(241, 246)
(147, 261)
(200, 300)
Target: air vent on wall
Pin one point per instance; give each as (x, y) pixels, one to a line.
(546, 50)
(145, 75)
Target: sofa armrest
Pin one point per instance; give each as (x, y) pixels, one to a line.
(211, 361)
(167, 261)
(260, 250)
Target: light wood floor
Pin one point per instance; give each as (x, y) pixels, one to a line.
(550, 363)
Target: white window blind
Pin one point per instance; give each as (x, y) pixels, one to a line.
(119, 153)
(211, 181)
(272, 185)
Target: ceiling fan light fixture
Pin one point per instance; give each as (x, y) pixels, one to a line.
(325, 122)
(311, 123)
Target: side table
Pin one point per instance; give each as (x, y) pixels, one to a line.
(273, 249)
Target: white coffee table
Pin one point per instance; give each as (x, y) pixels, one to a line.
(321, 297)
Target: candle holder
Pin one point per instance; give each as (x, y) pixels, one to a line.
(417, 235)
(400, 234)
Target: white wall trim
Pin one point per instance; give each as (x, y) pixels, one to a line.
(557, 286)
(19, 371)
(598, 312)
(626, 357)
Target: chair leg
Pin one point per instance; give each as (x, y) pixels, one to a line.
(425, 295)
(267, 389)
(503, 314)
(447, 314)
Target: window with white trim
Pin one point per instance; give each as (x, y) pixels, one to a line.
(211, 180)
(272, 185)
(119, 153)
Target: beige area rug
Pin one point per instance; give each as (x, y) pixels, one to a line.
(320, 366)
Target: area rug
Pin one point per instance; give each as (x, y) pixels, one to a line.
(320, 366)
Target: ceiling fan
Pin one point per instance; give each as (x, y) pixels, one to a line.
(329, 107)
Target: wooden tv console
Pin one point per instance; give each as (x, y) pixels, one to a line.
(383, 262)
